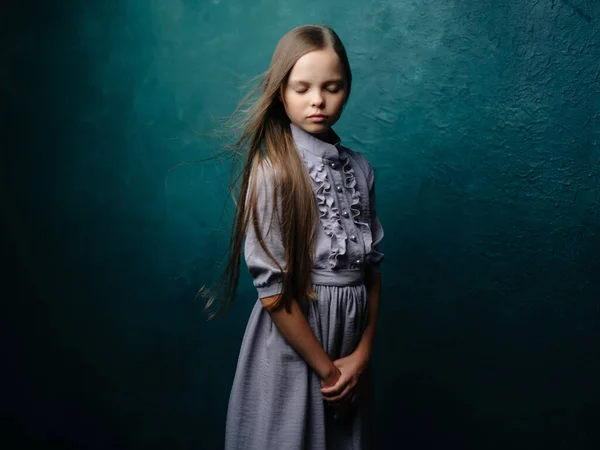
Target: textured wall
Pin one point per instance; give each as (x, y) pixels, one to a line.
(482, 120)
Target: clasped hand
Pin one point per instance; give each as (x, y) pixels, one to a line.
(344, 389)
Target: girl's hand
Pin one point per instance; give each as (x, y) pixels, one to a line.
(332, 379)
(351, 368)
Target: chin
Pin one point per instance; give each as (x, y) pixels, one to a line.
(316, 127)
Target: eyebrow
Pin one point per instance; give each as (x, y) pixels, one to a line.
(339, 81)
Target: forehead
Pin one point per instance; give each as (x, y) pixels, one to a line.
(317, 65)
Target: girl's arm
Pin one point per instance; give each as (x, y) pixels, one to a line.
(373, 285)
(296, 331)
(373, 273)
(267, 279)
(353, 365)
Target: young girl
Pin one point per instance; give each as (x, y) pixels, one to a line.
(307, 213)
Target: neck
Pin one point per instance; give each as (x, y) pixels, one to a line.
(327, 136)
(324, 145)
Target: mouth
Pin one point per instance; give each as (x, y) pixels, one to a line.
(317, 118)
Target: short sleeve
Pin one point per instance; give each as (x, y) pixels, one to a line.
(267, 278)
(374, 257)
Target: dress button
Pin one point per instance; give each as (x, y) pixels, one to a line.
(345, 213)
(339, 189)
(333, 165)
(353, 237)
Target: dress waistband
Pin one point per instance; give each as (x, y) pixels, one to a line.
(337, 277)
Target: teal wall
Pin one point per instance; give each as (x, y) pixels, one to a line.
(482, 120)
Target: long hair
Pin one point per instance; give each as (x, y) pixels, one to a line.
(266, 135)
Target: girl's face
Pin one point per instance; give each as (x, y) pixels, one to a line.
(315, 91)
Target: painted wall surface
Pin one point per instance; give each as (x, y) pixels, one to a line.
(482, 120)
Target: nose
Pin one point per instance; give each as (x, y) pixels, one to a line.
(317, 98)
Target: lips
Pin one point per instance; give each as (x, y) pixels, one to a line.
(318, 116)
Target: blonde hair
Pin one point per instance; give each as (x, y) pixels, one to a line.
(266, 135)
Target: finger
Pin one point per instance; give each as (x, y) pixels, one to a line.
(336, 393)
(341, 381)
(337, 398)
(335, 403)
(336, 388)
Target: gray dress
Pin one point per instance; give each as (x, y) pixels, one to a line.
(275, 400)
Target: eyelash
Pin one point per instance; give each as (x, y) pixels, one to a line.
(333, 91)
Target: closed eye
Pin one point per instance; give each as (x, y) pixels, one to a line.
(333, 90)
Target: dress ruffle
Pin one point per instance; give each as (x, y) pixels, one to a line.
(329, 214)
(356, 206)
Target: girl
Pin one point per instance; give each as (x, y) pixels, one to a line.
(307, 213)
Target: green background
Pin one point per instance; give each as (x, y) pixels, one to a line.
(482, 121)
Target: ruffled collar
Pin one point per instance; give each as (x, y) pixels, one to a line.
(316, 146)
